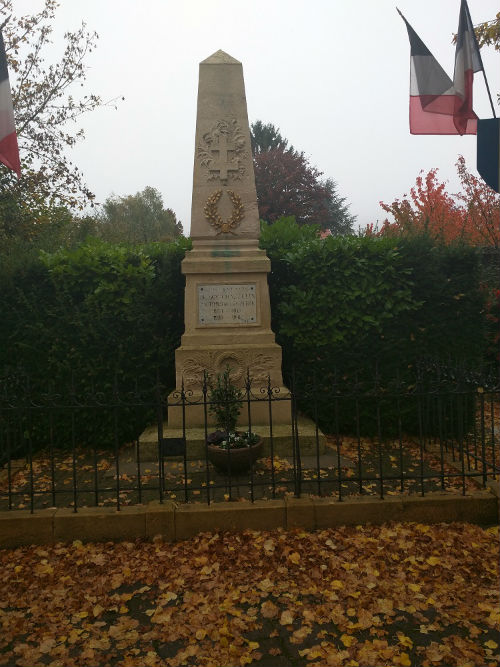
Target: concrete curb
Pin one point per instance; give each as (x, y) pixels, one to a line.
(179, 522)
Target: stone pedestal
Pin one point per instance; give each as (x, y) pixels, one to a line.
(227, 323)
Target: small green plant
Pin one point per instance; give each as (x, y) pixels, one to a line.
(225, 401)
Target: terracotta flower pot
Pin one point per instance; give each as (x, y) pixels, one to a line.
(234, 461)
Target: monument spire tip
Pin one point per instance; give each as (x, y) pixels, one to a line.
(220, 58)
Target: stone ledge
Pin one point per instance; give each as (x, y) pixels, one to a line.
(260, 515)
(432, 508)
(300, 512)
(195, 439)
(19, 528)
(100, 524)
(160, 520)
(178, 522)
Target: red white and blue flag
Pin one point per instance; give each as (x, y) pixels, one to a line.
(9, 151)
(439, 105)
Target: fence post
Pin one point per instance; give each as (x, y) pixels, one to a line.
(159, 424)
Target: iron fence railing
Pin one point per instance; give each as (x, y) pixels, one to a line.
(435, 431)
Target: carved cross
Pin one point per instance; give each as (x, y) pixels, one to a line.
(222, 163)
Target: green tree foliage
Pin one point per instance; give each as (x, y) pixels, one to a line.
(266, 137)
(139, 218)
(28, 226)
(338, 220)
(488, 33)
(288, 185)
(46, 106)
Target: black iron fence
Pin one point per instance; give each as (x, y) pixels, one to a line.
(433, 429)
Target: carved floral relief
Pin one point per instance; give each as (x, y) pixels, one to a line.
(222, 152)
(260, 365)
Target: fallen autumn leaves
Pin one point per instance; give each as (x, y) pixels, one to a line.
(399, 594)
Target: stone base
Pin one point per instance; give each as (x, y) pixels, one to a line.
(310, 441)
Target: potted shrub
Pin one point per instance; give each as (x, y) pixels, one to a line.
(229, 450)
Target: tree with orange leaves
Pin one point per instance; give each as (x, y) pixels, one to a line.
(471, 216)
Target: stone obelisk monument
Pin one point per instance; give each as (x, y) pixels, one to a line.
(227, 311)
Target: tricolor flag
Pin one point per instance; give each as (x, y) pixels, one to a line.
(439, 105)
(467, 61)
(9, 151)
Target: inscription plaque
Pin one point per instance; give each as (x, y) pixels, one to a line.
(227, 304)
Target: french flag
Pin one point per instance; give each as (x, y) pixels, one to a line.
(439, 105)
(9, 151)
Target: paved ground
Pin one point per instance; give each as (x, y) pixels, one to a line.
(195, 481)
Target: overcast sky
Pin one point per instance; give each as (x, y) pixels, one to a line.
(333, 75)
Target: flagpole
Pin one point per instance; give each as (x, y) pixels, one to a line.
(480, 59)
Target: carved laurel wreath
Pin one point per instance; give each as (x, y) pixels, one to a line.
(215, 219)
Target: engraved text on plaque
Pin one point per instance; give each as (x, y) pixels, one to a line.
(227, 304)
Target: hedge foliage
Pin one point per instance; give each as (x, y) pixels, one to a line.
(339, 305)
(365, 310)
(358, 300)
(96, 317)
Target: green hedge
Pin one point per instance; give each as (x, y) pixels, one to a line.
(97, 317)
(364, 299)
(345, 307)
(364, 310)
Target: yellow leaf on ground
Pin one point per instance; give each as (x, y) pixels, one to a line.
(494, 617)
(432, 560)
(403, 639)
(414, 587)
(269, 546)
(490, 644)
(294, 557)
(347, 640)
(151, 659)
(97, 610)
(265, 585)
(168, 596)
(269, 609)
(404, 660)
(336, 584)
(286, 618)
(385, 605)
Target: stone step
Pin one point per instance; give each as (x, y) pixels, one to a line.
(311, 440)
